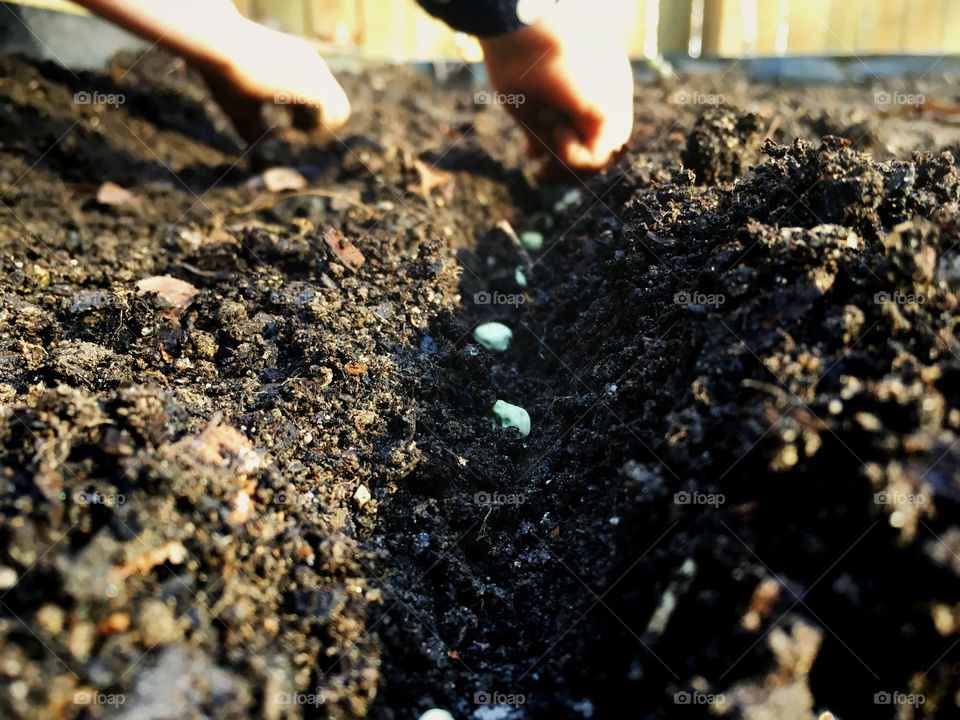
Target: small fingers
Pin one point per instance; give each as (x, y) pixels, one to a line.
(330, 111)
(577, 154)
(569, 144)
(568, 155)
(336, 110)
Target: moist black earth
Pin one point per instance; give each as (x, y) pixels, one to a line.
(248, 468)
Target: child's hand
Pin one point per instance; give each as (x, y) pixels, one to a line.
(576, 85)
(270, 67)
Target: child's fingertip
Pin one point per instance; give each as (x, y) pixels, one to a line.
(577, 155)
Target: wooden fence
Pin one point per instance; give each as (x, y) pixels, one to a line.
(399, 29)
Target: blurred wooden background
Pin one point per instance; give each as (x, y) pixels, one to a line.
(399, 29)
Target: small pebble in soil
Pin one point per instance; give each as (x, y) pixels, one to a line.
(8, 578)
(362, 495)
(532, 240)
(421, 541)
(505, 415)
(493, 336)
(519, 277)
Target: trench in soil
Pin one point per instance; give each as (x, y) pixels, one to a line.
(717, 398)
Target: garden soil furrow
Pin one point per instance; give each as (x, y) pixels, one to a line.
(248, 463)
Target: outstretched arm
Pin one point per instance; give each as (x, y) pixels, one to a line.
(245, 64)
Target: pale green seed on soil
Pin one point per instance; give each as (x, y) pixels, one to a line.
(519, 277)
(493, 336)
(532, 240)
(571, 198)
(505, 415)
(436, 714)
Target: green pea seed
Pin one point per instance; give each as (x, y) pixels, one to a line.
(504, 415)
(493, 336)
(532, 240)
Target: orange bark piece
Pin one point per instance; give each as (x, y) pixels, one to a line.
(343, 249)
(173, 551)
(118, 622)
(431, 178)
(112, 194)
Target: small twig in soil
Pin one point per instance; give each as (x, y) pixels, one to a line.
(774, 126)
(193, 270)
(507, 229)
(668, 601)
(949, 111)
(275, 199)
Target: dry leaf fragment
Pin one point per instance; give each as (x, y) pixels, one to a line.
(242, 503)
(112, 194)
(173, 552)
(362, 419)
(118, 622)
(219, 235)
(764, 596)
(240, 512)
(174, 291)
(945, 110)
(356, 369)
(192, 239)
(430, 178)
(216, 444)
(279, 179)
(343, 249)
(302, 224)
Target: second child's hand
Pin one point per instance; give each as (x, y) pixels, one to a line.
(245, 64)
(280, 69)
(576, 86)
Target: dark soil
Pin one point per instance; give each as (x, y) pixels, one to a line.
(284, 497)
